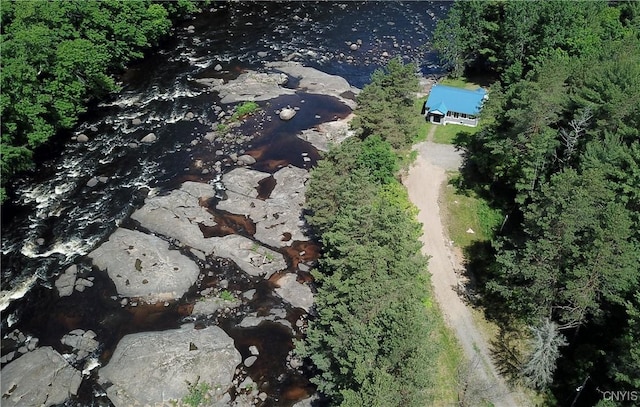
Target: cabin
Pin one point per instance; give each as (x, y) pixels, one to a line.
(446, 105)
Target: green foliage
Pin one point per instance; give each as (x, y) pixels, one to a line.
(577, 252)
(626, 363)
(226, 295)
(244, 109)
(376, 353)
(57, 55)
(197, 394)
(561, 157)
(385, 106)
(510, 38)
(378, 157)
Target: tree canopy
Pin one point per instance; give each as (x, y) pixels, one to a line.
(370, 339)
(561, 156)
(57, 55)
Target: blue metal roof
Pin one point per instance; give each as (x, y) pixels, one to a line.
(455, 100)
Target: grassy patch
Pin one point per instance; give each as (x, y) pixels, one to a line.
(226, 295)
(420, 124)
(460, 82)
(244, 109)
(447, 134)
(448, 358)
(464, 210)
(197, 394)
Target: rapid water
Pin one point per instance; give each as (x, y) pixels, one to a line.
(59, 215)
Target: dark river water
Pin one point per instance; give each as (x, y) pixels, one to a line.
(56, 218)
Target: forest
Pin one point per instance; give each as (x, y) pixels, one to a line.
(559, 155)
(372, 340)
(57, 56)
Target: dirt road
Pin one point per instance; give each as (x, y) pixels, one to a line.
(423, 183)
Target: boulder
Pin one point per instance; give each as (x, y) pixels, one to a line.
(178, 215)
(287, 114)
(92, 182)
(66, 281)
(295, 293)
(246, 159)
(252, 86)
(315, 81)
(244, 181)
(142, 265)
(82, 343)
(82, 138)
(248, 362)
(152, 368)
(275, 216)
(136, 122)
(253, 320)
(149, 138)
(39, 378)
(252, 258)
(210, 305)
(308, 402)
(328, 133)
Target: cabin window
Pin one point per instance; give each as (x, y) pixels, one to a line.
(456, 115)
(448, 114)
(463, 115)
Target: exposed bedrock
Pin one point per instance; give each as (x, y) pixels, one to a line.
(153, 368)
(144, 266)
(39, 378)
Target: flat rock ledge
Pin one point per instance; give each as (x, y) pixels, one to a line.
(315, 81)
(295, 293)
(261, 86)
(327, 134)
(278, 218)
(179, 216)
(153, 368)
(39, 378)
(252, 86)
(144, 267)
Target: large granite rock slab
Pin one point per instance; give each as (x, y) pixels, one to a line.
(315, 81)
(278, 218)
(323, 136)
(243, 181)
(254, 259)
(143, 266)
(295, 293)
(39, 378)
(178, 215)
(253, 86)
(153, 368)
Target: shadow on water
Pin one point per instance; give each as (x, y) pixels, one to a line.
(276, 144)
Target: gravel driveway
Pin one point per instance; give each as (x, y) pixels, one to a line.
(423, 183)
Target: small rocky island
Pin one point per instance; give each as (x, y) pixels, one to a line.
(250, 221)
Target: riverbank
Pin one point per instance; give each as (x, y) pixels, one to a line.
(234, 254)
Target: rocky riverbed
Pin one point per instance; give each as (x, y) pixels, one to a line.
(247, 222)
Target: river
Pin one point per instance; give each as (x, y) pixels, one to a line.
(58, 215)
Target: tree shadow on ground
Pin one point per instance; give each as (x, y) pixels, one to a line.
(507, 348)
